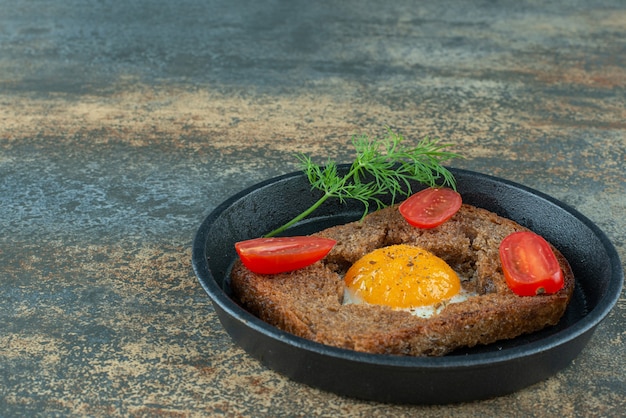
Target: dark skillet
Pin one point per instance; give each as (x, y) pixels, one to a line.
(465, 375)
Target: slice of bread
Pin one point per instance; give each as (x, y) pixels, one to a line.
(308, 302)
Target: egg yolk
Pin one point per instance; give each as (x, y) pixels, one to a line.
(402, 276)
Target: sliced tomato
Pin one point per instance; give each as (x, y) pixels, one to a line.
(529, 264)
(431, 207)
(282, 254)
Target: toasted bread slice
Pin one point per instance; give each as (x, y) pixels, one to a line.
(309, 302)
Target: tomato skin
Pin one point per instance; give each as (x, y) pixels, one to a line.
(529, 264)
(282, 254)
(430, 207)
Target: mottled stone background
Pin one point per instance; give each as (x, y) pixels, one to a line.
(123, 124)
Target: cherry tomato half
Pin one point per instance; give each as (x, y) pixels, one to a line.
(282, 254)
(430, 207)
(529, 264)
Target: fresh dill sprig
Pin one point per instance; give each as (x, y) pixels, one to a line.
(391, 166)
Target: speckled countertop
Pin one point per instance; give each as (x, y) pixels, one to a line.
(123, 124)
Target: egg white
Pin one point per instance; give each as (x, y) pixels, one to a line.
(426, 311)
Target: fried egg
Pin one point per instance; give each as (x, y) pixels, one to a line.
(404, 277)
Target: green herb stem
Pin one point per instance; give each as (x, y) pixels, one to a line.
(299, 217)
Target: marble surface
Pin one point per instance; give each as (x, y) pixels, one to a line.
(123, 124)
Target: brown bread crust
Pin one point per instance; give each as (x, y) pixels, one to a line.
(308, 302)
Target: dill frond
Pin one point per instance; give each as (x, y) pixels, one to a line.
(390, 166)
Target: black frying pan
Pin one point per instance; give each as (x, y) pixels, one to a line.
(464, 375)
